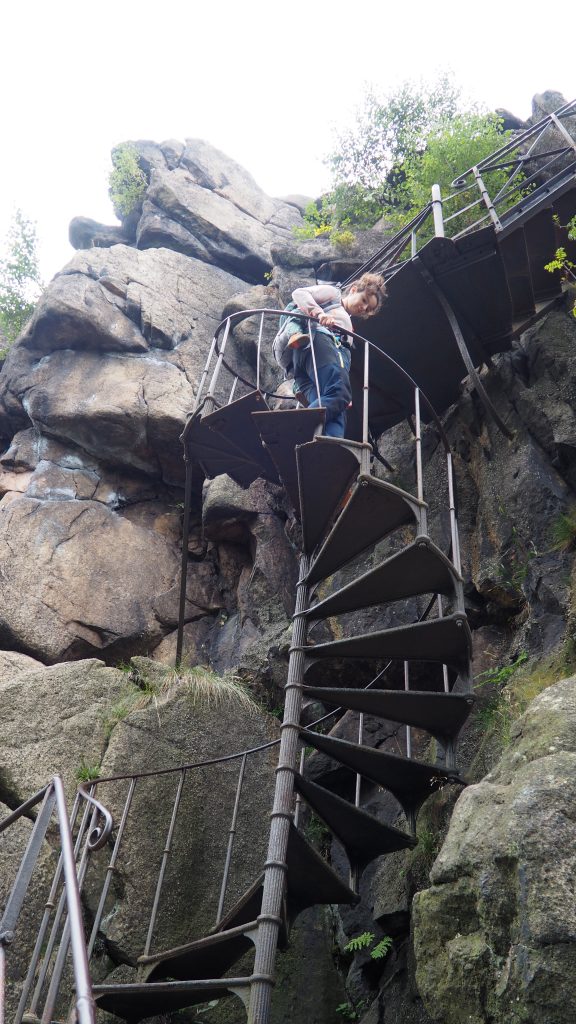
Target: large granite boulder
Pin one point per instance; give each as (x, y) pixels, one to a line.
(495, 935)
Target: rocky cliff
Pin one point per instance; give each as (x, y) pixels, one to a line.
(93, 398)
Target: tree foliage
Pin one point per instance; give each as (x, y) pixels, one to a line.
(399, 146)
(127, 182)
(20, 282)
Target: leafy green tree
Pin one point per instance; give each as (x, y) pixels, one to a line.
(399, 147)
(127, 182)
(20, 283)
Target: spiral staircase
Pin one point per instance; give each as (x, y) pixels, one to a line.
(436, 327)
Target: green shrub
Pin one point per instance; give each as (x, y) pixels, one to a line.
(20, 283)
(127, 182)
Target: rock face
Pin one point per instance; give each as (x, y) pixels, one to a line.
(495, 934)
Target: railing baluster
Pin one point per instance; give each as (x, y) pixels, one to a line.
(314, 366)
(444, 667)
(408, 729)
(453, 520)
(437, 212)
(46, 960)
(233, 390)
(165, 855)
(210, 400)
(298, 805)
(365, 456)
(487, 201)
(205, 372)
(231, 837)
(111, 867)
(259, 352)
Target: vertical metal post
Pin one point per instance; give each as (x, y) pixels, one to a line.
(165, 854)
(210, 400)
(444, 667)
(204, 376)
(423, 522)
(270, 917)
(314, 367)
(486, 199)
(84, 1001)
(408, 730)
(365, 456)
(453, 521)
(259, 352)
(437, 212)
(184, 558)
(413, 243)
(111, 868)
(298, 806)
(233, 390)
(2, 981)
(354, 869)
(231, 837)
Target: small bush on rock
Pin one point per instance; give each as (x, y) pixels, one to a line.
(127, 181)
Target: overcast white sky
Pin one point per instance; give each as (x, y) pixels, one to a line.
(265, 82)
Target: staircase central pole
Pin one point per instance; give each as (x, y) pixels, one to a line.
(270, 918)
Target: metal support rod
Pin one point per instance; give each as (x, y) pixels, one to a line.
(233, 390)
(231, 838)
(275, 867)
(2, 981)
(210, 400)
(437, 212)
(26, 867)
(486, 198)
(298, 804)
(561, 128)
(453, 520)
(365, 455)
(408, 730)
(413, 243)
(204, 376)
(463, 349)
(444, 667)
(50, 945)
(184, 557)
(111, 868)
(69, 931)
(259, 352)
(418, 440)
(165, 854)
(85, 1006)
(314, 366)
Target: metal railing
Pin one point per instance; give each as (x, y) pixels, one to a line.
(66, 882)
(495, 191)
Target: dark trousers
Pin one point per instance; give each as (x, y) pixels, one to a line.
(333, 365)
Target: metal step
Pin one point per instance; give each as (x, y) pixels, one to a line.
(234, 422)
(135, 1002)
(373, 510)
(420, 568)
(363, 836)
(411, 782)
(440, 714)
(326, 466)
(310, 880)
(281, 431)
(446, 640)
(218, 455)
(212, 955)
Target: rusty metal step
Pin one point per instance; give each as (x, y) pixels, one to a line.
(212, 955)
(440, 714)
(234, 422)
(446, 640)
(135, 1002)
(373, 510)
(281, 431)
(411, 782)
(420, 568)
(218, 455)
(310, 880)
(326, 467)
(363, 836)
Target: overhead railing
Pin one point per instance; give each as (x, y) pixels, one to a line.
(533, 163)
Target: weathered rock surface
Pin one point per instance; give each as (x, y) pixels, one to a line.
(53, 721)
(495, 935)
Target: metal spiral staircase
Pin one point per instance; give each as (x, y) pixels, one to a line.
(436, 327)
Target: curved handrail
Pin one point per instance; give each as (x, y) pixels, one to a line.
(244, 314)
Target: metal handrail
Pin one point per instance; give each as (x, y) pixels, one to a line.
(52, 797)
